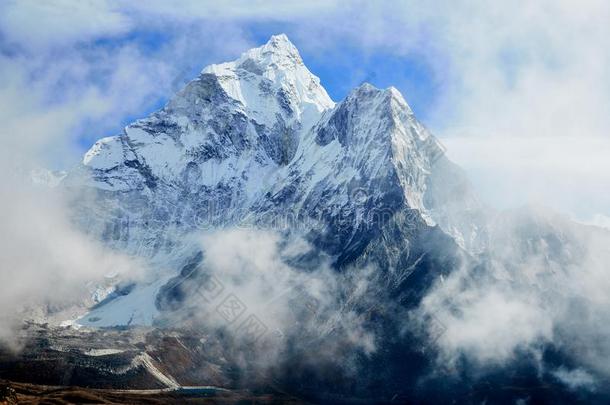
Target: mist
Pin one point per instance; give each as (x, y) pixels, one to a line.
(50, 268)
(542, 286)
(276, 298)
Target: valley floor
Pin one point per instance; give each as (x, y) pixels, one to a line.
(22, 393)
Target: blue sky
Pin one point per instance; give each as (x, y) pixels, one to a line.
(518, 92)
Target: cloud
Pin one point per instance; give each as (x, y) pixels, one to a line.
(576, 379)
(50, 268)
(233, 9)
(254, 265)
(37, 24)
(523, 89)
(526, 104)
(267, 296)
(48, 264)
(493, 324)
(600, 220)
(542, 285)
(567, 173)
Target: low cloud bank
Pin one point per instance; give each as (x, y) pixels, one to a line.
(49, 267)
(544, 285)
(276, 297)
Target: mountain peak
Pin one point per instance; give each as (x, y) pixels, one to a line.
(272, 79)
(278, 54)
(389, 96)
(278, 45)
(281, 41)
(365, 88)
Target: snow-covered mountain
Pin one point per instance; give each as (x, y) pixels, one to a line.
(372, 267)
(258, 141)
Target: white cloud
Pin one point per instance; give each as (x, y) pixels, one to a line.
(49, 267)
(529, 85)
(298, 308)
(233, 9)
(492, 324)
(37, 24)
(545, 283)
(566, 173)
(576, 379)
(599, 220)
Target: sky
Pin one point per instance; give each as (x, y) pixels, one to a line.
(518, 92)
